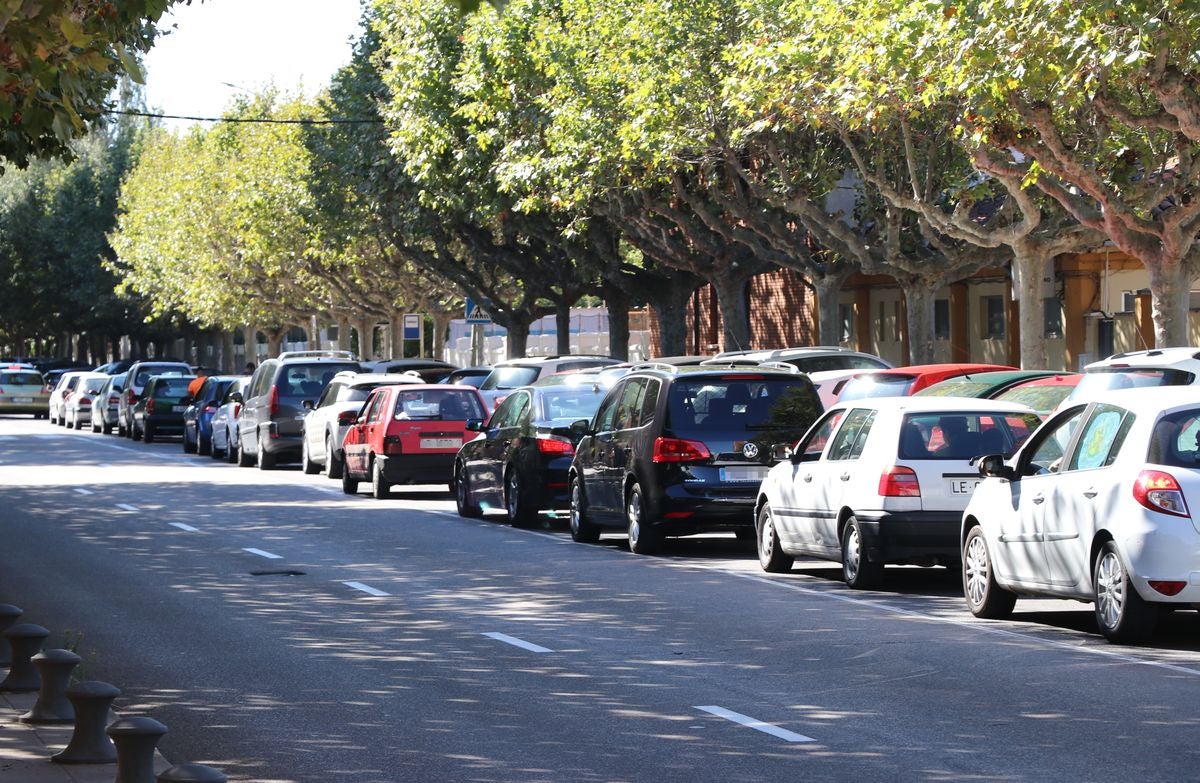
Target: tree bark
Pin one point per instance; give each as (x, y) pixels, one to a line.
(669, 304)
(275, 340)
(518, 337)
(1028, 267)
(735, 315)
(918, 300)
(562, 327)
(1169, 289)
(827, 289)
(618, 325)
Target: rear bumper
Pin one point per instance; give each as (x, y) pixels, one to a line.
(895, 537)
(417, 468)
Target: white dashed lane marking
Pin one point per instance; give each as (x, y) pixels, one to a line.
(364, 588)
(126, 507)
(515, 642)
(757, 725)
(261, 553)
(184, 526)
(83, 491)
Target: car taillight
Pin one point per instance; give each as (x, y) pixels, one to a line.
(150, 407)
(553, 444)
(391, 445)
(114, 399)
(82, 400)
(1167, 587)
(131, 398)
(679, 450)
(899, 482)
(1159, 491)
(210, 408)
(273, 402)
(237, 409)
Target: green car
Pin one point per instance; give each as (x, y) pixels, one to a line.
(160, 409)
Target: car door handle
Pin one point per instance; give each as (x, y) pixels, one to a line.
(1038, 498)
(1090, 493)
(808, 478)
(845, 477)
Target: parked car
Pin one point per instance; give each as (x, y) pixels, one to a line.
(520, 460)
(678, 450)
(106, 404)
(984, 385)
(882, 481)
(53, 376)
(197, 419)
(159, 409)
(1096, 506)
(135, 382)
(272, 406)
(467, 376)
(77, 407)
(321, 432)
(23, 390)
(224, 424)
(814, 358)
(514, 373)
(903, 381)
(1044, 395)
(829, 384)
(1139, 369)
(408, 434)
(56, 405)
(429, 370)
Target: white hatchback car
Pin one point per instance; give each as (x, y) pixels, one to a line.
(1096, 506)
(882, 480)
(1138, 369)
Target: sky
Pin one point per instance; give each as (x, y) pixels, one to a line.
(222, 47)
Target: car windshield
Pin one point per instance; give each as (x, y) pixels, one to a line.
(20, 379)
(510, 377)
(449, 405)
(737, 408)
(955, 389)
(962, 435)
(876, 386)
(571, 402)
(1043, 398)
(1108, 378)
(1176, 440)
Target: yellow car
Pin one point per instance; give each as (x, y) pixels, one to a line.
(22, 390)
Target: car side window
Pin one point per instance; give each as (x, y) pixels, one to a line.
(607, 409)
(517, 405)
(375, 408)
(1101, 438)
(852, 437)
(1045, 452)
(503, 413)
(629, 408)
(810, 448)
(329, 395)
(650, 401)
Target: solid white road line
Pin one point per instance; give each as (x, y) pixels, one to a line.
(261, 553)
(758, 725)
(127, 507)
(83, 491)
(365, 588)
(184, 526)
(515, 642)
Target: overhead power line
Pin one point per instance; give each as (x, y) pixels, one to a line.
(261, 120)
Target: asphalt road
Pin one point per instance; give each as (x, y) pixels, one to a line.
(285, 632)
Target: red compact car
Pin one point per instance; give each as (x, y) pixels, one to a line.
(408, 434)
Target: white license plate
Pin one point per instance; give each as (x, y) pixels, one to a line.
(178, 408)
(963, 486)
(441, 443)
(22, 399)
(754, 473)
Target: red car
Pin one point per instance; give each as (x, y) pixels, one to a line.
(408, 434)
(903, 381)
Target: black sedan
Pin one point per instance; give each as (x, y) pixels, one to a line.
(519, 461)
(160, 409)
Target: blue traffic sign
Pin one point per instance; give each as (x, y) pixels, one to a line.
(479, 312)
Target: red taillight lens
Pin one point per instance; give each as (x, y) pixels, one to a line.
(552, 444)
(150, 407)
(899, 482)
(273, 402)
(391, 445)
(1166, 587)
(114, 399)
(237, 409)
(131, 398)
(210, 408)
(82, 400)
(679, 450)
(1159, 491)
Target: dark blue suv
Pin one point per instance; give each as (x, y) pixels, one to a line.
(197, 419)
(674, 451)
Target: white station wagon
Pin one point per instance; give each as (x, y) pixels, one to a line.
(1096, 506)
(882, 480)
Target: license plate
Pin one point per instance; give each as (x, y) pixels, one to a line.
(441, 443)
(178, 408)
(963, 486)
(22, 399)
(754, 473)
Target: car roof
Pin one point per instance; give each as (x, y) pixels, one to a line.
(1154, 357)
(713, 370)
(1058, 379)
(535, 361)
(1158, 398)
(377, 378)
(934, 404)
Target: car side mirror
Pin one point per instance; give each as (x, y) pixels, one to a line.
(307, 405)
(346, 418)
(580, 427)
(781, 451)
(476, 425)
(993, 466)
(236, 397)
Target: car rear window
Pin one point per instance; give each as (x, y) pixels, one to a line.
(309, 380)
(961, 435)
(172, 387)
(876, 386)
(20, 378)
(1043, 398)
(955, 389)
(93, 385)
(779, 408)
(510, 377)
(572, 403)
(1176, 440)
(1108, 378)
(148, 371)
(434, 405)
(827, 363)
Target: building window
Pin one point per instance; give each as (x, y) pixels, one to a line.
(993, 317)
(846, 321)
(1051, 318)
(941, 319)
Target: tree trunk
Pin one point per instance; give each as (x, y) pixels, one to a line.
(365, 329)
(827, 289)
(1028, 268)
(918, 300)
(228, 361)
(735, 315)
(669, 304)
(343, 338)
(396, 329)
(438, 340)
(562, 325)
(275, 340)
(1169, 288)
(618, 325)
(518, 337)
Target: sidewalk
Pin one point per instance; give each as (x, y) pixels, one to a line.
(25, 750)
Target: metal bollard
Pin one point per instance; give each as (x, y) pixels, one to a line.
(135, 739)
(92, 701)
(55, 667)
(192, 773)
(26, 640)
(8, 616)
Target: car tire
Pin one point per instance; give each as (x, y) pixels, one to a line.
(188, 446)
(857, 570)
(516, 505)
(380, 488)
(95, 426)
(349, 484)
(106, 428)
(1123, 615)
(583, 530)
(643, 538)
(309, 467)
(244, 460)
(76, 424)
(985, 597)
(770, 555)
(134, 432)
(334, 466)
(148, 433)
(462, 494)
(266, 460)
(203, 445)
(214, 452)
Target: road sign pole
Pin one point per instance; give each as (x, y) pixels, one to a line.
(476, 345)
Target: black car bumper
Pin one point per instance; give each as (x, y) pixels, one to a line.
(896, 537)
(417, 468)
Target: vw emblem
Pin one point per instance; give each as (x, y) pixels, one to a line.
(750, 451)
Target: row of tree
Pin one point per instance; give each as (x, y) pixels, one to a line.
(636, 150)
